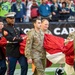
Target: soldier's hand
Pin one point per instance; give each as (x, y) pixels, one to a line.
(24, 37)
(29, 61)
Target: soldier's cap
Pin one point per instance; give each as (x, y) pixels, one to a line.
(10, 15)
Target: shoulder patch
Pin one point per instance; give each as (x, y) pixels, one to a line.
(5, 33)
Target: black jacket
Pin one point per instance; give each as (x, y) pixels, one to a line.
(12, 48)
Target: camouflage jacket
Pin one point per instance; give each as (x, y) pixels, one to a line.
(34, 45)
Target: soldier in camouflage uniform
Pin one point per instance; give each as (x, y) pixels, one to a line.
(34, 50)
(45, 26)
(70, 69)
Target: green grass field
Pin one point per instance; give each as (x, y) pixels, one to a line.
(48, 73)
(54, 65)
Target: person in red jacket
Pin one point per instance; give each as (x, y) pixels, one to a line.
(34, 10)
(2, 52)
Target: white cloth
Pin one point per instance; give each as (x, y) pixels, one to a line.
(69, 69)
(56, 58)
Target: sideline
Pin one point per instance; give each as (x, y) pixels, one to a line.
(17, 71)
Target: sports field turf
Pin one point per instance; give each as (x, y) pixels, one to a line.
(47, 72)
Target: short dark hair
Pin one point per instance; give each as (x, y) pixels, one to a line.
(34, 20)
(64, 3)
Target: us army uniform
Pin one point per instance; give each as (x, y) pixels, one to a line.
(69, 69)
(34, 50)
(47, 32)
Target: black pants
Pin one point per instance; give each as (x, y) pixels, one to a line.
(12, 64)
(3, 67)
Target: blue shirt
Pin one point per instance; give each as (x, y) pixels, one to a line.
(44, 10)
(19, 12)
(55, 9)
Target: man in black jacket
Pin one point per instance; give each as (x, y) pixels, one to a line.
(12, 34)
(2, 52)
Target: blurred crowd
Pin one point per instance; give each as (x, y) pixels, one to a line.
(27, 10)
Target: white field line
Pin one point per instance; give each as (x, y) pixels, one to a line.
(18, 71)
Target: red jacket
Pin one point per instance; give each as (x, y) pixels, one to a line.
(3, 43)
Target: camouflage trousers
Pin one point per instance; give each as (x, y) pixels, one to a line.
(40, 65)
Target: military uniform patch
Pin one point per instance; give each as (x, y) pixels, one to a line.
(5, 33)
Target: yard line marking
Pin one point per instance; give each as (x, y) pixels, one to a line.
(50, 69)
(17, 71)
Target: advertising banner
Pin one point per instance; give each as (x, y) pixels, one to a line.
(61, 29)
